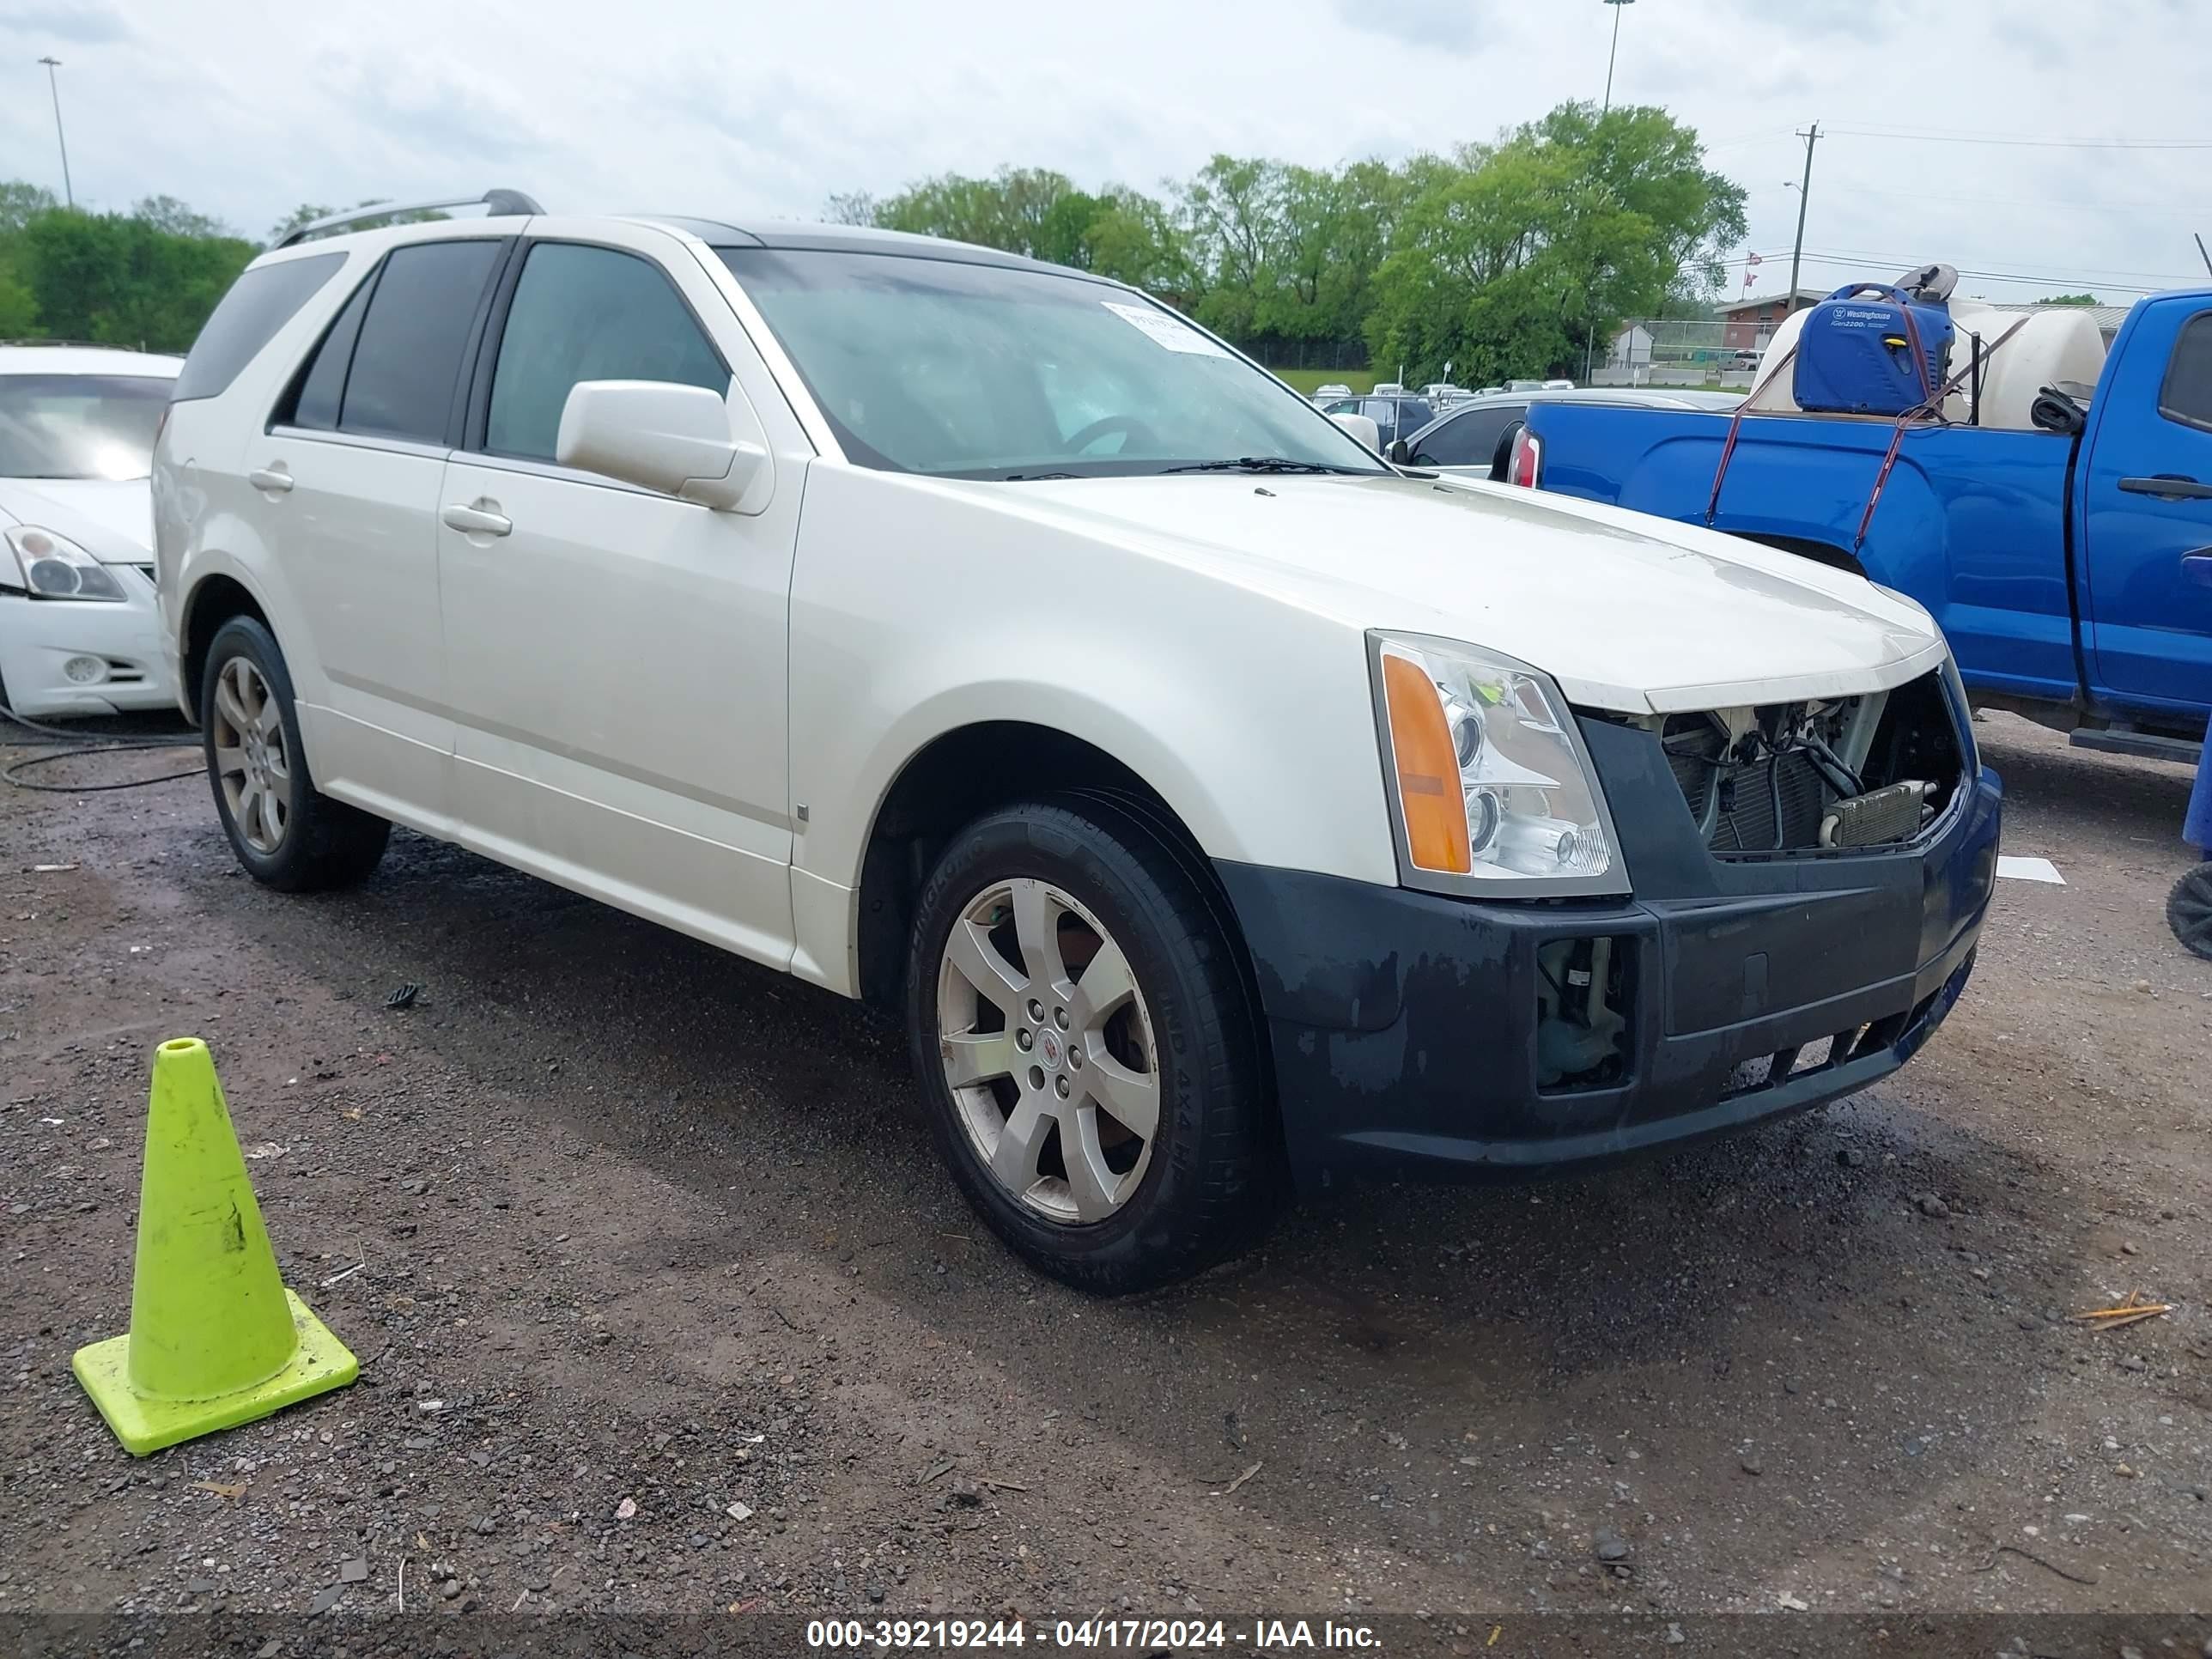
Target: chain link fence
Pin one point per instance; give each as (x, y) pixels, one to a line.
(1683, 351)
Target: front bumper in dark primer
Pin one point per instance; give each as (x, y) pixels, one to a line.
(1403, 1025)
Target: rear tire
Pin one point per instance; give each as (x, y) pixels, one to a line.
(287, 834)
(1101, 1101)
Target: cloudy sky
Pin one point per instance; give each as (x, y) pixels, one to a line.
(731, 107)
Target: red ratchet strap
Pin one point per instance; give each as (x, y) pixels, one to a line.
(1736, 426)
(1932, 408)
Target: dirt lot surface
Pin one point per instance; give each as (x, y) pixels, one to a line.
(648, 1233)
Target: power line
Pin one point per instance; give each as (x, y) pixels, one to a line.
(2129, 204)
(1933, 135)
(2047, 279)
(2114, 272)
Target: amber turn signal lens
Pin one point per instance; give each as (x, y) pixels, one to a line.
(1428, 793)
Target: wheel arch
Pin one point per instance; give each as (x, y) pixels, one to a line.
(969, 769)
(213, 600)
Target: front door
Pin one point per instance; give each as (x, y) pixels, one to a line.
(616, 658)
(2146, 499)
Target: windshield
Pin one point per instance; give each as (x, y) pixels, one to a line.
(969, 371)
(80, 426)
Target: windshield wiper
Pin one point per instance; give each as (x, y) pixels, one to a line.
(1258, 464)
(1033, 477)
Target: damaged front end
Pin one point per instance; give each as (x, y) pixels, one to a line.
(1828, 775)
(1808, 882)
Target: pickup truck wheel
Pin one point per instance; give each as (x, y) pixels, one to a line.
(286, 832)
(1084, 1040)
(2189, 909)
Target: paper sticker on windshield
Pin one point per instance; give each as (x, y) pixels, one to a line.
(1162, 330)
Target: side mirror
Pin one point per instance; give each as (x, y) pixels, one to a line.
(674, 439)
(1399, 454)
(1362, 428)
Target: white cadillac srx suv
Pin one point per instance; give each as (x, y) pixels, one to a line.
(1220, 807)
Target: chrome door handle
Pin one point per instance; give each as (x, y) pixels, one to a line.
(480, 518)
(274, 479)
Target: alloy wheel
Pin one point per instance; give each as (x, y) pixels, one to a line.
(1049, 1051)
(252, 764)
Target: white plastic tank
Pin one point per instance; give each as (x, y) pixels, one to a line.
(2060, 343)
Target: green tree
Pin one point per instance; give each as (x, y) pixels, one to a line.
(1513, 258)
(2069, 300)
(1133, 239)
(20, 202)
(1010, 209)
(168, 213)
(19, 307)
(122, 280)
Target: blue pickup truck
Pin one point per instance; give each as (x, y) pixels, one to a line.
(2061, 537)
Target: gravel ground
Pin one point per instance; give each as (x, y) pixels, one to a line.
(665, 1305)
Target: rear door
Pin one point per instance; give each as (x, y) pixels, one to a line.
(2147, 511)
(350, 469)
(616, 658)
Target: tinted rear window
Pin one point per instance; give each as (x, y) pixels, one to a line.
(321, 388)
(408, 358)
(260, 302)
(2187, 394)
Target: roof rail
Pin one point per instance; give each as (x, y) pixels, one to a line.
(493, 202)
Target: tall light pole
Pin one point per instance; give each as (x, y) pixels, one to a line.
(1615, 52)
(54, 86)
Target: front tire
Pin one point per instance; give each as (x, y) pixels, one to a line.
(2189, 909)
(287, 833)
(1083, 1036)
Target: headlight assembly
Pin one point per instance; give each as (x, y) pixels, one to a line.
(1491, 789)
(52, 567)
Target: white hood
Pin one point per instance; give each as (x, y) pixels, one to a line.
(112, 520)
(1626, 612)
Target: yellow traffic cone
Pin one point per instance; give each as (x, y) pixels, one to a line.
(215, 1338)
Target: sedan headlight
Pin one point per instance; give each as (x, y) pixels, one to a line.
(52, 567)
(1493, 790)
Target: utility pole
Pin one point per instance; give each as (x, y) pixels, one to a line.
(54, 86)
(1615, 52)
(1804, 191)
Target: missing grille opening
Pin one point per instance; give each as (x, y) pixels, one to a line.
(1835, 775)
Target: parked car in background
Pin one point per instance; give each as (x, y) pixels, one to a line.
(1333, 390)
(1393, 416)
(1524, 385)
(1206, 798)
(1558, 385)
(79, 631)
(1477, 436)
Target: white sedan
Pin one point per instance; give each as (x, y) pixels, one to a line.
(80, 633)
